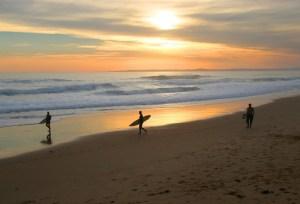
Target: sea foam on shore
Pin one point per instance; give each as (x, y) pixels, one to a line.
(24, 98)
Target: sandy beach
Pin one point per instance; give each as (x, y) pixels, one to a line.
(210, 161)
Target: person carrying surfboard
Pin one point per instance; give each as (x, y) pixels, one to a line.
(141, 121)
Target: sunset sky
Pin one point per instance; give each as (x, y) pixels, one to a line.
(105, 35)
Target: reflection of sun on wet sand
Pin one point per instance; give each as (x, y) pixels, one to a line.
(211, 161)
(22, 139)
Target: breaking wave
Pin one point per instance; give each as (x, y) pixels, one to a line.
(151, 91)
(55, 89)
(24, 97)
(271, 79)
(172, 77)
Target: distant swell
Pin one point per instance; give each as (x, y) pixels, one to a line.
(151, 91)
(133, 101)
(206, 81)
(73, 93)
(271, 79)
(171, 77)
(207, 77)
(55, 89)
(29, 81)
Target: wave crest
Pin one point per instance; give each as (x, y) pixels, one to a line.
(151, 91)
(172, 77)
(55, 89)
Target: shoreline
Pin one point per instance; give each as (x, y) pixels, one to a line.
(261, 99)
(100, 122)
(216, 160)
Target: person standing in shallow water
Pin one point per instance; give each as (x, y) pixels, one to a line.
(249, 116)
(141, 121)
(48, 121)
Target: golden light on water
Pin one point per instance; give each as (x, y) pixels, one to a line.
(164, 20)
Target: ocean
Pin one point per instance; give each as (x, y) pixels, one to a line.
(25, 97)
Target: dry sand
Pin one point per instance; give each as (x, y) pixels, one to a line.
(211, 161)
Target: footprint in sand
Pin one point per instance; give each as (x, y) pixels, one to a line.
(266, 192)
(181, 182)
(237, 180)
(159, 193)
(236, 194)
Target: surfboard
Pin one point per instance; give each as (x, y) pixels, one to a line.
(136, 122)
(43, 121)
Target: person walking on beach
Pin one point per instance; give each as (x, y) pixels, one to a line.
(48, 121)
(141, 121)
(249, 116)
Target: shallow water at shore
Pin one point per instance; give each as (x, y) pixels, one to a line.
(16, 140)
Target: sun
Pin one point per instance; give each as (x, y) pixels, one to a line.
(164, 20)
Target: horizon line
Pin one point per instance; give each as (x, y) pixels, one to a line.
(165, 70)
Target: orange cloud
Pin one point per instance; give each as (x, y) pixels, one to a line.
(225, 58)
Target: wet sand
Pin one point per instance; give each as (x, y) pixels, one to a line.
(211, 161)
(16, 140)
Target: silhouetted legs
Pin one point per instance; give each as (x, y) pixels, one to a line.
(49, 127)
(48, 138)
(249, 121)
(141, 128)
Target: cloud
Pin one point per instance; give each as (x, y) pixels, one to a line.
(275, 27)
(75, 16)
(15, 43)
(260, 24)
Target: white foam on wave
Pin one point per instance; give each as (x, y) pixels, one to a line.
(55, 89)
(172, 77)
(150, 91)
(125, 90)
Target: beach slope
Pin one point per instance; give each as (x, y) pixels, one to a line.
(210, 161)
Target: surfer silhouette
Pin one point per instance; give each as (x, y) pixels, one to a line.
(141, 121)
(48, 121)
(249, 116)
